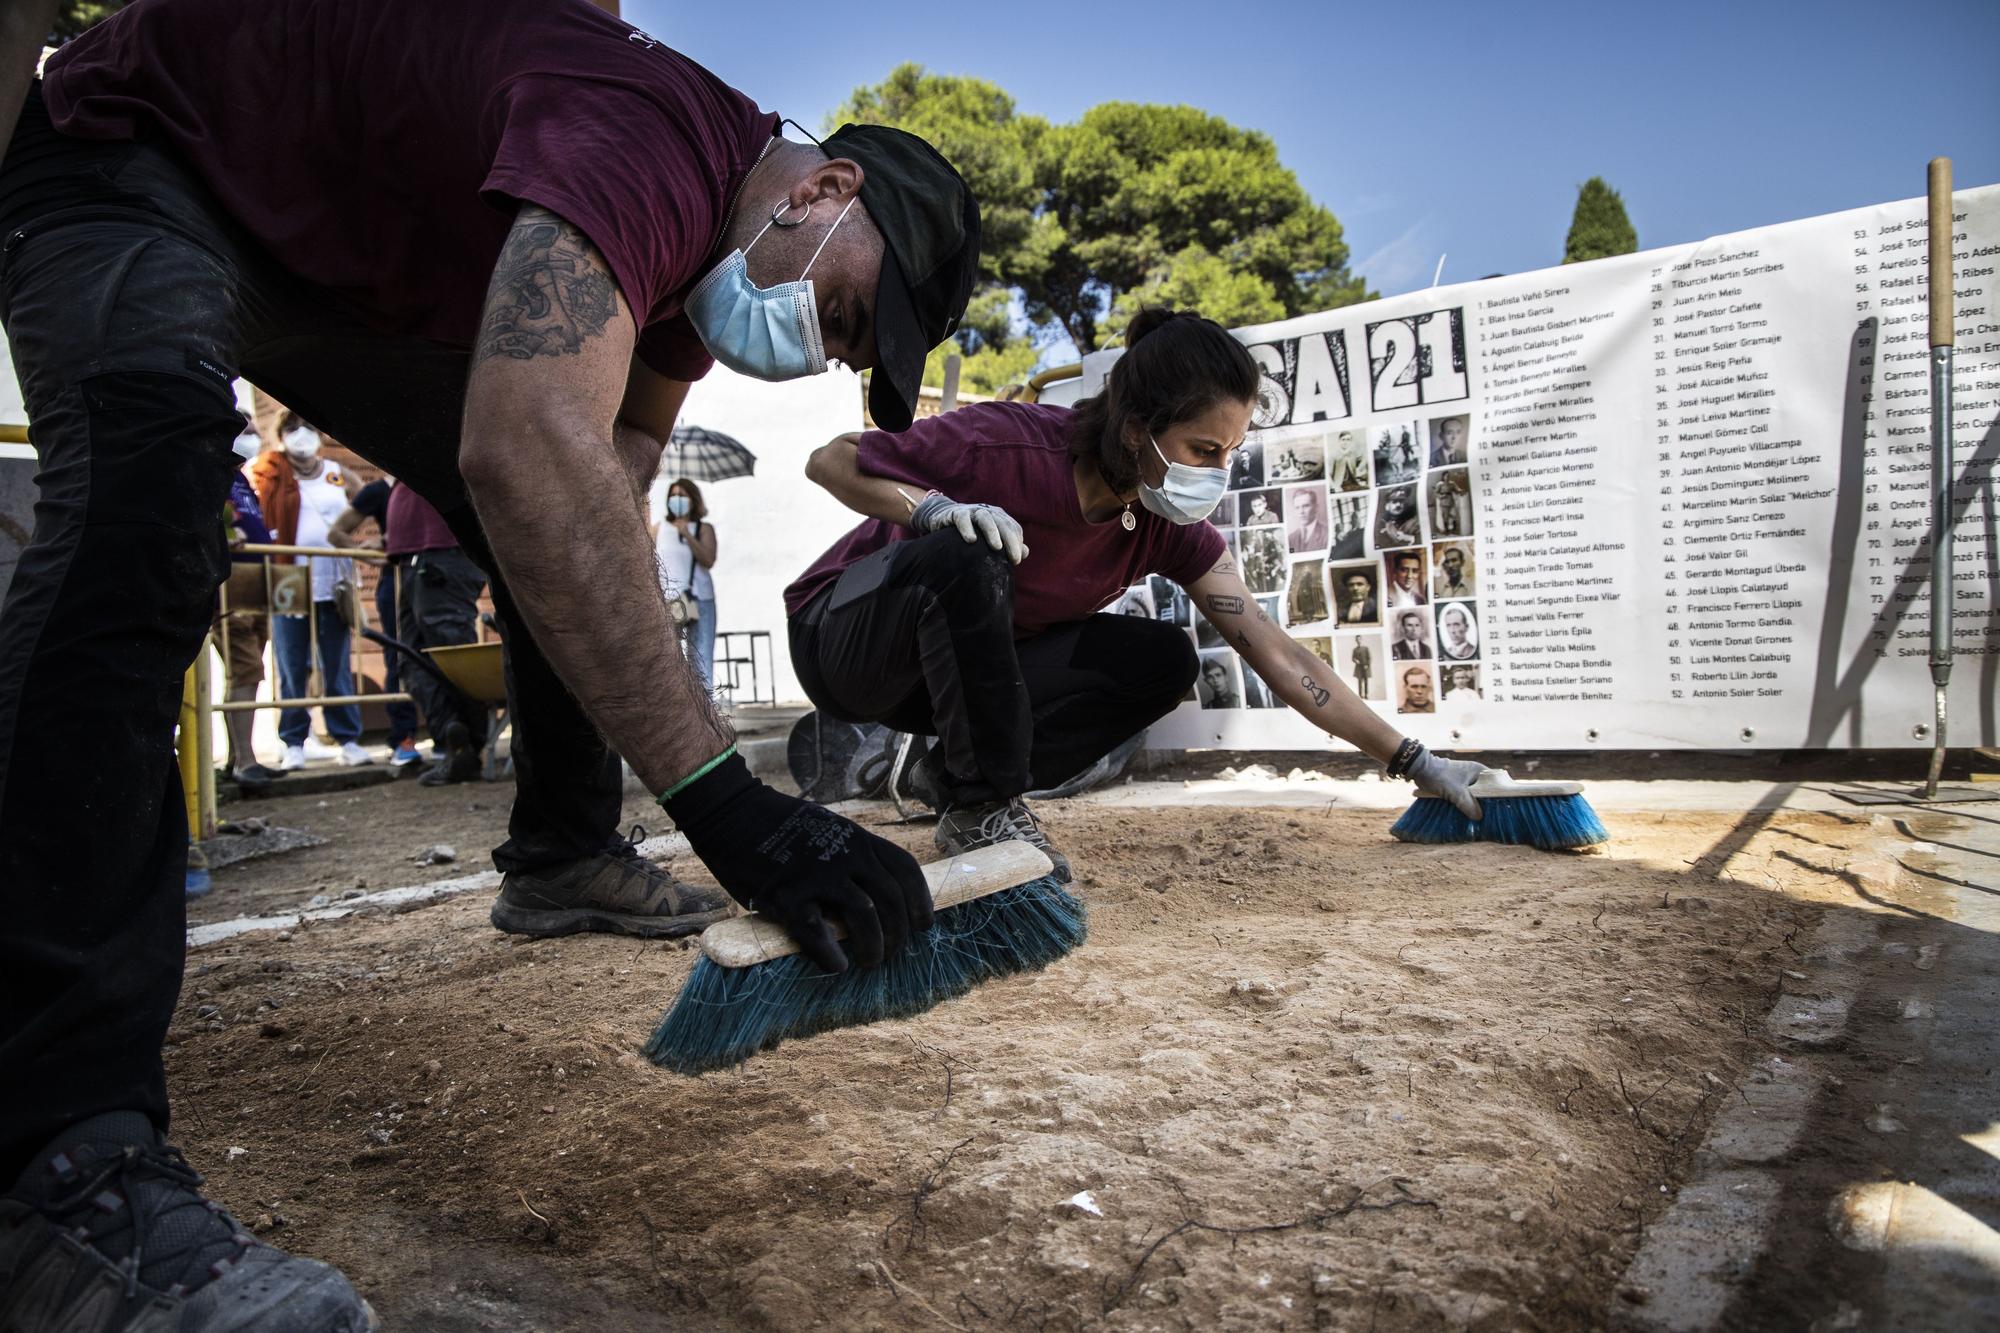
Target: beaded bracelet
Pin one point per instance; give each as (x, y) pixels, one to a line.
(1405, 756)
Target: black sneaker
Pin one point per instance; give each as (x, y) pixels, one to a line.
(971, 826)
(107, 1230)
(611, 893)
(461, 761)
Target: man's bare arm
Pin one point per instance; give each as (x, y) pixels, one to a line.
(542, 462)
(1295, 674)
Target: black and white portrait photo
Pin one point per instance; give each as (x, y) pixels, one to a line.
(1218, 685)
(1458, 632)
(1450, 492)
(1347, 461)
(1461, 682)
(1246, 466)
(1404, 575)
(1396, 519)
(1355, 593)
(1416, 690)
(1305, 520)
(1409, 636)
(1452, 573)
(1358, 660)
(1448, 440)
(1261, 509)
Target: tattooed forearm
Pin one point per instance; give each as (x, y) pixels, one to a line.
(551, 291)
(1222, 605)
(1320, 694)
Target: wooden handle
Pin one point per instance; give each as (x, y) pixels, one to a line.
(745, 941)
(1941, 262)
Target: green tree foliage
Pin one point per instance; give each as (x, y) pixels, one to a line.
(1598, 227)
(1130, 203)
(73, 16)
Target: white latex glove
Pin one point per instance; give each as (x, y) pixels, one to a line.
(1451, 779)
(973, 521)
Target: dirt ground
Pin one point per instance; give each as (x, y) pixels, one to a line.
(1310, 1077)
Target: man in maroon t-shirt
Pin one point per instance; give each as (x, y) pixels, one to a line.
(488, 244)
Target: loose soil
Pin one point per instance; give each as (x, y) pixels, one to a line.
(1310, 1077)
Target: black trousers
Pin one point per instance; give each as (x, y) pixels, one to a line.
(920, 637)
(441, 608)
(129, 302)
(402, 716)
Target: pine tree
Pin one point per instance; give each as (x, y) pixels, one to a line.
(1599, 226)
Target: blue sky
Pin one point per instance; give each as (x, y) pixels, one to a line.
(1461, 129)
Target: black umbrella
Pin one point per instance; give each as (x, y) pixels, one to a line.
(700, 454)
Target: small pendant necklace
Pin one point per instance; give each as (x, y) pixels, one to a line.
(1126, 520)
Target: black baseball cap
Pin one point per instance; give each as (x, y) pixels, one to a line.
(930, 225)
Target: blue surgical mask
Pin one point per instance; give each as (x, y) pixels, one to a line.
(767, 333)
(1188, 494)
(678, 506)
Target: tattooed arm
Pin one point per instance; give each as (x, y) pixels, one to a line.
(542, 458)
(1296, 675)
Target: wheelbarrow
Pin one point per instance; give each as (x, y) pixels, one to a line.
(471, 670)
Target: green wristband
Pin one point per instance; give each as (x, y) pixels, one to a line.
(695, 776)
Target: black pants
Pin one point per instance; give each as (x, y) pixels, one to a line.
(129, 302)
(402, 716)
(920, 637)
(441, 608)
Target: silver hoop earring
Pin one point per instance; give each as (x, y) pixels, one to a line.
(777, 220)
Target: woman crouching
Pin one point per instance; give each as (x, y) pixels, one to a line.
(966, 607)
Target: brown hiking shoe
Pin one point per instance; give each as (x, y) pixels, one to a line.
(607, 893)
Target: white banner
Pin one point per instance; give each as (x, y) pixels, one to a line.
(1672, 499)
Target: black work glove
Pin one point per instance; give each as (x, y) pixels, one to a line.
(800, 863)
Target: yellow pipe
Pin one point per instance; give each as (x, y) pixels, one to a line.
(12, 434)
(187, 745)
(1033, 391)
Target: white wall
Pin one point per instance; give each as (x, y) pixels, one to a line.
(769, 527)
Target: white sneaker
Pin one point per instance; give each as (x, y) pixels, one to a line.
(354, 756)
(295, 758)
(314, 750)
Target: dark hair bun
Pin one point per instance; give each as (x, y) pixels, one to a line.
(1149, 318)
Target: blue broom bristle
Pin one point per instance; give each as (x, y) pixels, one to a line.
(726, 1015)
(1549, 822)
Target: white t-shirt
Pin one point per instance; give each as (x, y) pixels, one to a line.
(678, 568)
(322, 499)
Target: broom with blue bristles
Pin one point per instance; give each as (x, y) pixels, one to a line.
(999, 910)
(1549, 815)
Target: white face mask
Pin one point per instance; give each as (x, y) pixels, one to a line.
(247, 445)
(302, 444)
(1187, 494)
(678, 506)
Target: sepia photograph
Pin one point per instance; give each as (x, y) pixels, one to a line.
(1347, 461)
(1396, 519)
(1347, 527)
(1458, 632)
(1410, 636)
(1295, 460)
(1264, 559)
(1450, 492)
(1452, 572)
(1360, 661)
(1416, 689)
(1394, 453)
(1306, 602)
(1305, 520)
(1448, 440)
(1355, 588)
(1403, 575)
